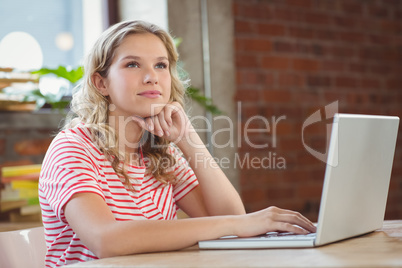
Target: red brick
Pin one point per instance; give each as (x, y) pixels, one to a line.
(253, 44)
(253, 194)
(345, 81)
(377, 11)
(2, 146)
(306, 97)
(274, 96)
(301, 32)
(319, 19)
(243, 26)
(255, 142)
(271, 29)
(284, 127)
(246, 60)
(308, 191)
(269, 79)
(352, 37)
(315, 130)
(327, 6)
(305, 64)
(32, 147)
(300, 3)
(284, 47)
(318, 81)
(394, 83)
(277, 63)
(333, 65)
(290, 79)
(277, 193)
(342, 52)
(293, 112)
(331, 96)
(380, 68)
(327, 34)
(346, 22)
(247, 95)
(297, 175)
(356, 98)
(290, 145)
(397, 14)
(358, 67)
(248, 111)
(249, 78)
(390, 26)
(370, 53)
(370, 83)
(305, 159)
(392, 54)
(352, 7)
(249, 10)
(286, 15)
(379, 39)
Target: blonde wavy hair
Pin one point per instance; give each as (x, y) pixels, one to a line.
(91, 108)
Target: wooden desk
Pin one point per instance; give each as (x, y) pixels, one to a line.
(382, 248)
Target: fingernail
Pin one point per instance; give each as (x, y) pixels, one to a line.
(160, 133)
(167, 133)
(150, 127)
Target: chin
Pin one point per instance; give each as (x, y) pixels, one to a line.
(150, 112)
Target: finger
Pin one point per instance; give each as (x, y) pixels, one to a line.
(295, 218)
(168, 114)
(162, 122)
(307, 224)
(178, 115)
(140, 121)
(176, 109)
(149, 124)
(157, 126)
(288, 227)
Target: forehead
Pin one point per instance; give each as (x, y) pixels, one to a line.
(144, 44)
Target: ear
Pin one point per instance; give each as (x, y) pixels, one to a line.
(100, 83)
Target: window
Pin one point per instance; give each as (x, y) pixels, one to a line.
(56, 25)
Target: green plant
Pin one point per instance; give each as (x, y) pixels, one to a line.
(73, 75)
(56, 101)
(205, 102)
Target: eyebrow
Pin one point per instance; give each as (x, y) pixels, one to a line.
(131, 57)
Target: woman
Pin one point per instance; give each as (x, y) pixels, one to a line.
(112, 180)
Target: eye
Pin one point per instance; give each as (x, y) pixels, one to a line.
(133, 64)
(161, 65)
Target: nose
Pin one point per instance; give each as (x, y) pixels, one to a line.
(150, 77)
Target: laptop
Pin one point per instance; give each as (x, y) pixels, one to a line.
(358, 170)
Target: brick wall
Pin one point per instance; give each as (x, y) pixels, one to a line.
(294, 57)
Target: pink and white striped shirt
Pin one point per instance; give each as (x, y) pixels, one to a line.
(73, 164)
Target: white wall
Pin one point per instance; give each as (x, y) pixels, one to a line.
(154, 11)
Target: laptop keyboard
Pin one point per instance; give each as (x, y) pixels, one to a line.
(288, 236)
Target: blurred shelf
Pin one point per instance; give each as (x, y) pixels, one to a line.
(11, 226)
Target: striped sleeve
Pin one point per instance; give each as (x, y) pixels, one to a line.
(67, 169)
(185, 177)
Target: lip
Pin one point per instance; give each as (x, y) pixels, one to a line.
(152, 94)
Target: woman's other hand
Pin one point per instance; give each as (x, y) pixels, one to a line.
(273, 219)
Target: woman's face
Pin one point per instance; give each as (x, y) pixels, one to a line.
(139, 81)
